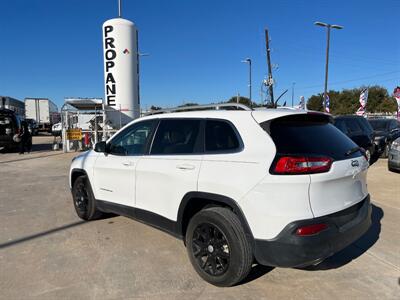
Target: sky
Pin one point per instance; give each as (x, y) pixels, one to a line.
(53, 49)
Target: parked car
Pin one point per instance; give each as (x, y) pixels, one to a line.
(280, 187)
(33, 126)
(386, 131)
(359, 130)
(394, 156)
(10, 125)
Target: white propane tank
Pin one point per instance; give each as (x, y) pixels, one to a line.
(121, 71)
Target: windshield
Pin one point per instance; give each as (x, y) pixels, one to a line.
(379, 125)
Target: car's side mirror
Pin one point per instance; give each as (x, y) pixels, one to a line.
(100, 147)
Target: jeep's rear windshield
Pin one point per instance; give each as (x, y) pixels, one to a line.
(310, 134)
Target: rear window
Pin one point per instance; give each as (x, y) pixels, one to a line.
(365, 125)
(220, 136)
(353, 126)
(380, 125)
(308, 134)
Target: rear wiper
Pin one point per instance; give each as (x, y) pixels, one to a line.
(353, 150)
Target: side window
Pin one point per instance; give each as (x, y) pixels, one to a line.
(133, 140)
(177, 136)
(220, 136)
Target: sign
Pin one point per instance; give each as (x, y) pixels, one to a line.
(74, 134)
(121, 70)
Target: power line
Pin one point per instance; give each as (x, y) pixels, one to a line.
(339, 54)
(350, 80)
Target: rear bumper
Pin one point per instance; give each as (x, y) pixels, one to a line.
(7, 142)
(291, 250)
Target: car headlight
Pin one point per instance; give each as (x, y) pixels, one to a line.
(396, 145)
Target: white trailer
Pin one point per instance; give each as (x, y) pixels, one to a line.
(43, 111)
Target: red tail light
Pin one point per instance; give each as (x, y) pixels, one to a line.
(302, 165)
(311, 229)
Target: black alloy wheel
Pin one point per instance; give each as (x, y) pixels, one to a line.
(211, 249)
(84, 201)
(81, 198)
(217, 246)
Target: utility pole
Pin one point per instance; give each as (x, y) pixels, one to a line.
(270, 80)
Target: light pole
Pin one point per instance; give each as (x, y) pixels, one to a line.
(293, 83)
(328, 34)
(248, 60)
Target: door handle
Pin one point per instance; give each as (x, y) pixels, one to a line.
(127, 163)
(185, 167)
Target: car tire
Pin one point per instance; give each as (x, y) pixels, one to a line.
(84, 201)
(217, 246)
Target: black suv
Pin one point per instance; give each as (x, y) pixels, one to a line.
(10, 125)
(386, 131)
(359, 130)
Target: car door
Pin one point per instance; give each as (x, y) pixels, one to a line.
(114, 170)
(171, 169)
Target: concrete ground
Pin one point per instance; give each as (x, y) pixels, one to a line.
(46, 252)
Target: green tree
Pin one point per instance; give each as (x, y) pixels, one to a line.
(155, 107)
(242, 100)
(380, 101)
(188, 104)
(315, 103)
(347, 101)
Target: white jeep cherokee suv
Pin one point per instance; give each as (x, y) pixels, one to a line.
(276, 187)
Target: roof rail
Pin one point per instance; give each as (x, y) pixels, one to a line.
(221, 106)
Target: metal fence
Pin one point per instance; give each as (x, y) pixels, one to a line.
(96, 125)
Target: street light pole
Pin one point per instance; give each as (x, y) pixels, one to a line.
(248, 60)
(328, 35)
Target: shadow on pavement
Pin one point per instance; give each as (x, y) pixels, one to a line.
(35, 148)
(41, 147)
(40, 234)
(256, 272)
(28, 157)
(356, 249)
